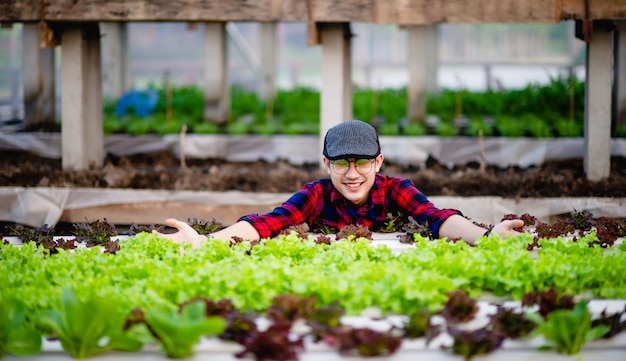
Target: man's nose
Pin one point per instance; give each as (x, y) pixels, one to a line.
(352, 168)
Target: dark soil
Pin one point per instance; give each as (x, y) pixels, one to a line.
(163, 171)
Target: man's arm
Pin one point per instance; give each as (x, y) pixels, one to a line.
(186, 233)
(460, 227)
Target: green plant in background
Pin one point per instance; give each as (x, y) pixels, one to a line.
(565, 127)
(508, 126)
(537, 127)
(414, 129)
(554, 109)
(389, 129)
(206, 128)
(392, 105)
(476, 125)
(301, 105)
(363, 104)
(446, 129)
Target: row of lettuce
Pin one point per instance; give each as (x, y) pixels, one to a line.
(544, 111)
(143, 291)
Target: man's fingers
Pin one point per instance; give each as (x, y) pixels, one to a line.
(172, 222)
(516, 223)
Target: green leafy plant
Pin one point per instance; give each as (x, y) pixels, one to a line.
(87, 327)
(94, 233)
(38, 235)
(510, 127)
(556, 109)
(476, 342)
(393, 223)
(179, 331)
(17, 336)
(205, 227)
(537, 126)
(354, 231)
(568, 330)
(418, 323)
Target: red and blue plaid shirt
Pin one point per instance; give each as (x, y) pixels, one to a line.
(319, 203)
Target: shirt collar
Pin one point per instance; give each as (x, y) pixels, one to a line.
(335, 196)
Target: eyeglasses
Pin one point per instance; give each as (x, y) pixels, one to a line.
(363, 166)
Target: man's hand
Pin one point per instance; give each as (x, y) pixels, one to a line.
(185, 233)
(507, 228)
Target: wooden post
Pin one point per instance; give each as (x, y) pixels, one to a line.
(336, 92)
(216, 86)
(39, 80)
(620, 74)
(115, 71)
(423, 59)
(269, 51)
(81, 97)
(597, 160)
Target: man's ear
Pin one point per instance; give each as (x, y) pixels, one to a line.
(327, 164)
(379, 162)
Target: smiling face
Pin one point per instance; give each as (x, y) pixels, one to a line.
(354, 185)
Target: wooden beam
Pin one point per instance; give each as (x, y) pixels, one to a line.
(597, 157)
(336, 90)
(38, 80)
(598, 9)
(422, 60)
(20, 10)
(269, 60)
(620, 74)
(404, 12)
(115, 71)
(82, 137)
(216, 86)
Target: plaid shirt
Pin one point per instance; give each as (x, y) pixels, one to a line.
(320, 203)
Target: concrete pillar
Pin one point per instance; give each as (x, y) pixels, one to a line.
(269, 51)
(115, 71)
(423, 60)
(216, 85)
(336, 91)
(620, 74)
(81, 98)
(38, 78)
(598, 89)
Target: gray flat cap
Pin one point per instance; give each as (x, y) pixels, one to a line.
(351, 139)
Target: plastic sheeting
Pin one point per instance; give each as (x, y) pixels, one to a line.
(298, 150)
(37, 206)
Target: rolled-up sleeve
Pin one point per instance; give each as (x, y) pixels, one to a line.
(419, 207)
(299, 208)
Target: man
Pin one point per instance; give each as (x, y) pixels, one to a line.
(354, 194)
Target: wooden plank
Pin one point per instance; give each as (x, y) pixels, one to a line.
(598, 9)
(336, 92)
(176, 10)
(81, 103)
(158, 212)
(619, 108)
(20, 10)
(376, 11)
(216, 86)
(597, 160)
(406, 12)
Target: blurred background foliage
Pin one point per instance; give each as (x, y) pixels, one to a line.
(552, 110)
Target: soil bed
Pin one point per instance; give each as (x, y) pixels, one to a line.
(163, 171)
